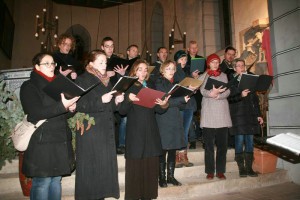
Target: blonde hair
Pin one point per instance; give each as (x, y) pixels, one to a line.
(165, 64)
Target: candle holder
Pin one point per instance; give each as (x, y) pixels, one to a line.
(48, 26)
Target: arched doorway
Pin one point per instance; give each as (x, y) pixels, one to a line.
(83, 41)
(157, 29)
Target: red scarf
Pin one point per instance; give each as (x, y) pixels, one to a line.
(49, 79)
(214, 73)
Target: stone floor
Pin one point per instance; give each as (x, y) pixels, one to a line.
(285, 191)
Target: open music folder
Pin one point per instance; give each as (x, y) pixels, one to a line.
(255, 82)
(147, 97)
(124, 83)
(70, 89)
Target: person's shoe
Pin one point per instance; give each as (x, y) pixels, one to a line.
(120, 150)
(192, 145)
(221, 176)
(210, 176)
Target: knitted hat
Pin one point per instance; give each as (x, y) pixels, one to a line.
(179, 54)
(212, 57)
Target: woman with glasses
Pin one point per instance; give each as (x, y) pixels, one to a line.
(49, 155)
(66, 63)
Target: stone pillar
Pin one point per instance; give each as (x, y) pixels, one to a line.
(284, 106)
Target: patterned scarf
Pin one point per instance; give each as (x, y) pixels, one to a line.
(102, 77)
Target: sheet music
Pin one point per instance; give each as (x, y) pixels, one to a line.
(288, 141)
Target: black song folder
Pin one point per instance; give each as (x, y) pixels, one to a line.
(62, 84)
(197, 64)
(210, 82)
(124, 83)
(180, 91)
(255, 83)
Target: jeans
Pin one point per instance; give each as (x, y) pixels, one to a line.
(122, 131)
(212, 136)
(240, 140)
(187, 116)
(46, 188)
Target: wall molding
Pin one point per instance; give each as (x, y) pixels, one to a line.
(287, 73)
(285, 96)
(284, 127)
(285, 51)
(284, 15)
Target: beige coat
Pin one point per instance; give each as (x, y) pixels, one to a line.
(215, 112)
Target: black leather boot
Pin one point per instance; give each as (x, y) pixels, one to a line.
(239, 158)
(170, 177)
(248, 161)
(162, 175)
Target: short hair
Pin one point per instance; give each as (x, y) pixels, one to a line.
(65, 36)
(135, 67)
(130, 46)
(235, 61)
(36, 60)
(160, 48)
(192, 42)
(105, 39)
(165, 64)
(230, 48)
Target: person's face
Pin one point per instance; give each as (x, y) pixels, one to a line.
(132, 52)
(182, 61)
(99, 63)
(214, 64)
(169, 71)
(193, 49)
(46, 66)
(65, 46)
(240, 67)
(229, 56)
(142, 72)
(108, 48)
(162, 55)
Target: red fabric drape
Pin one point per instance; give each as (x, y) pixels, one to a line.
(266, 46)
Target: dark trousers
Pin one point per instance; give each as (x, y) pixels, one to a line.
(212, 136)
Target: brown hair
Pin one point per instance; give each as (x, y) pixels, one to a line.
(135, 67)
(165, 64)
(91, 57)
(65, 36)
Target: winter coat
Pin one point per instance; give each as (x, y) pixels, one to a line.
(215, 112)
(142, 134)
(50, 150)
(96, 158)
(244, 111)
(170, 123)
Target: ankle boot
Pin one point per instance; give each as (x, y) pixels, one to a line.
(170, 177)
(179, 159)
(162, 175)
(239, 158)
(249, 160)
(186, 160)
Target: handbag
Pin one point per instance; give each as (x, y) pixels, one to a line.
(22, 133)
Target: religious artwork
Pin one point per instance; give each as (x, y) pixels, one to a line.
(251, 48)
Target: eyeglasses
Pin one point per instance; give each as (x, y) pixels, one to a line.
(49, 64)
(109, 46)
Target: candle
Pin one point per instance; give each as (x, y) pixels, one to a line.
(56, 26)
(37, 22)
(44, 19)
(184, 40)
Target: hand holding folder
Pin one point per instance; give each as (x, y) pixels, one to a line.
(147, 97)
(62, 84)
(255, 82)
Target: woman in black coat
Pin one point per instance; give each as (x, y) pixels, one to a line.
(49, 154)
(96, 158)
(170, 125)
(246, 119)
(143, 146)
